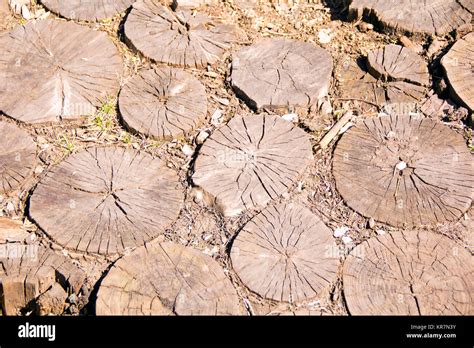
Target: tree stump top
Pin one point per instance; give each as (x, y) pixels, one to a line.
(17, 157)
(250, 161)
(163, 103)
(404, 171)
(409, 273)
(167, 279)
(87, 10)
(286, 253)
(418, 18)
(279, 73)
(26, 271)
(74, 70)
(458, 64)
(107, 200)
(182, 38)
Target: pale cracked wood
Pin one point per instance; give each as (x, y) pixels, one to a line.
(405, 171)
(280, 73)
(414, 17)
(250, 161)
(392, 76)
(87, 10)
(409, 273)
(182, 38)
(74, 71)
(11, 231)
(28, 271)
(166, 279)
(106, 200)
(458, 64)
(17, 157)
(163, 103)
(286, 253)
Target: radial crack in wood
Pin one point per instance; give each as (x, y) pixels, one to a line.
(166, 279)
(404, 171)
(17, 157)
(75, 69)
(251, 161)
(107, 200)
(280, 73)
(163, 103)
(409, 273)
(458, 65)
(286, 253)
(87, 10)
(182, 38)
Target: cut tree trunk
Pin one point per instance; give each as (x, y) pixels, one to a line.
(17, 157)
(163, 103)
(106, 200)
(167, 279)
(286, 253)
(250, 161)
(279, 73)
(87, 10)
(404, 171)
(182, 38)
(409, 273)
(458, 64)
(74, 70)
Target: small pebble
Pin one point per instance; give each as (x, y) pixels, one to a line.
(364, 27)
(202, 136)
(187, 150)
(340, 231)
(380, 232)
(290, 117)
(323, 36)
(346, 239)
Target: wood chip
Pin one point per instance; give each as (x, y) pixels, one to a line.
(87, 10)
(12, 231)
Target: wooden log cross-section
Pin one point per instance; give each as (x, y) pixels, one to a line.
(17, 156)
(279, 74)
(73, 72)
(163, 103)
(404, 171)
(409, 273)
(458, 64)
(87, 10)
(286, 253)
(251, 161)
(166, 279)
(181, 38)
(106, 200)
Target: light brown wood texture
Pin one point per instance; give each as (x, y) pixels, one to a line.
(106, 200)
(167, 279)
(409, 273)
(458, 64)
(250, 161)
(419, 18)
(11, 231)
(182, 38)
(17, 157)
(74, 70)
(280, 73)
(286, 253)
(27, 271)
(404, 171)
(87, 10)
(163, 103)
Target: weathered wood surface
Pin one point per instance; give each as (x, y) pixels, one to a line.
(87, 10)
(17, 157)
(163, 103)
(404, 171)
(409, 273)
(182, 38)
(73, 71)
(167, 279)
(458, 64)
(107, 200)
(11, 231)
(420, 18)
(286, 253)
(28, 271)
(280, 73)
(250, 161)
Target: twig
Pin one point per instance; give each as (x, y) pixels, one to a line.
(335, 129)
